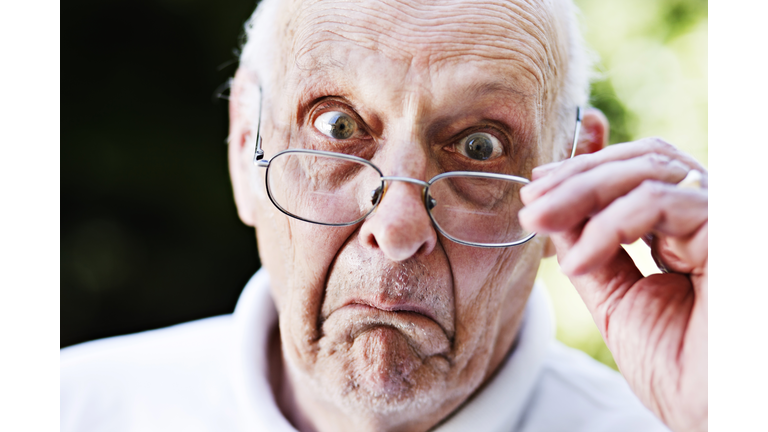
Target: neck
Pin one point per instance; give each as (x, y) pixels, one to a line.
(283, 388)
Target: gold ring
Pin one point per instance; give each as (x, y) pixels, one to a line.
(691, 181)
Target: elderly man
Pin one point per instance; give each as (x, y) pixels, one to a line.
(383, 152)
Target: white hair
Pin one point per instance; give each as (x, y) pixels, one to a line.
(258, 51)
(574, 90)
(259, 56)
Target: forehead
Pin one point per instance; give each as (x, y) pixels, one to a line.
(420, 42)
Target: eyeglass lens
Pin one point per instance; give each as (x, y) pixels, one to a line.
(478, 210)
(338, 191)
(322, 189)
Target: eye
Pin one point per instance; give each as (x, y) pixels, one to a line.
(480, 146)
(336, 125)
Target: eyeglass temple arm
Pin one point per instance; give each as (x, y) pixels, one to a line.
(259, 155)
(575, 132)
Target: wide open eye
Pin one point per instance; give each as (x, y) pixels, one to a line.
(480, 146)
(336, 124)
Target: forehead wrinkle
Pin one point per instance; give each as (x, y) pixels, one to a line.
(498, 30)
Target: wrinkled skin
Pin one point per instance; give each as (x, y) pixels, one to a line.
(387, 325)
(655, 326)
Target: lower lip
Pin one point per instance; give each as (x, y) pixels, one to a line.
(423, 333)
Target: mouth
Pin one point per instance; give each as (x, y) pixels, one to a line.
(421, 330)
(395, 308)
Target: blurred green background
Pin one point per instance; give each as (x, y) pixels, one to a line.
(149, 232)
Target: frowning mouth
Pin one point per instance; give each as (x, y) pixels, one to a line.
(423, 332)
(395, 308)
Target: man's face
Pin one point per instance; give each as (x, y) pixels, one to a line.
(387, 315)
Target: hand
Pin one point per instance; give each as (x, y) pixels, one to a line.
(655, 326)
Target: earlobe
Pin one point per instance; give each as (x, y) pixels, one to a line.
(594, 131)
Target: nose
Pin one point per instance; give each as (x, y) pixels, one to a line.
(400, 226)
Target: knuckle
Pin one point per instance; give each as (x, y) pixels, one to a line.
(576, 160)
(624, 236)
(582, 162)
(569, 167)
(659, 145)
(657, 160)
(652, 189)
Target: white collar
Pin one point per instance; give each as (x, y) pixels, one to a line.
(499, 405)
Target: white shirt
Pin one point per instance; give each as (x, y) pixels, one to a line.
(212, 375)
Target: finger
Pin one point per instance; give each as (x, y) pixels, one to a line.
(654, 206)
(549, 176)
(681, 255)
(605, 285)
(605, 288)
(543, 170)
(589, 192)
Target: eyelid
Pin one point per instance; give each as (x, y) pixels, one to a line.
(329, 105)
(333, 105)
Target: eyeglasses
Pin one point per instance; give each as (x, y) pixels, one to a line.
(335, 189)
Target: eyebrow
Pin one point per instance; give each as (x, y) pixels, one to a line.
(323, 65)
(481, 89)
(315, 73)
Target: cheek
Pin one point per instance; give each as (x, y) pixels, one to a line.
(484, 280)
(296, 254)
(313, 247)
(477, 271)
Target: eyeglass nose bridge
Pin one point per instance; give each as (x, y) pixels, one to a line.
(378, 194)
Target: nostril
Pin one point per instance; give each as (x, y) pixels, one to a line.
(400, 227)
(424, 249)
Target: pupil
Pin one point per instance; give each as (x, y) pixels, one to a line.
(342, 127)
(479, 147)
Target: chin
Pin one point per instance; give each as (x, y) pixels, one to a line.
(380, 373)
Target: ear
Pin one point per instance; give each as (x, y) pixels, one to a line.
(241, 147)
(594, 131)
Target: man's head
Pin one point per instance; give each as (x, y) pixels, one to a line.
(388, 323)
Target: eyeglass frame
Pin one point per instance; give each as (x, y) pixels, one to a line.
(258, 160)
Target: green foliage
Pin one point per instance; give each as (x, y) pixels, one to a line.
(622, 121)
(680, 16)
